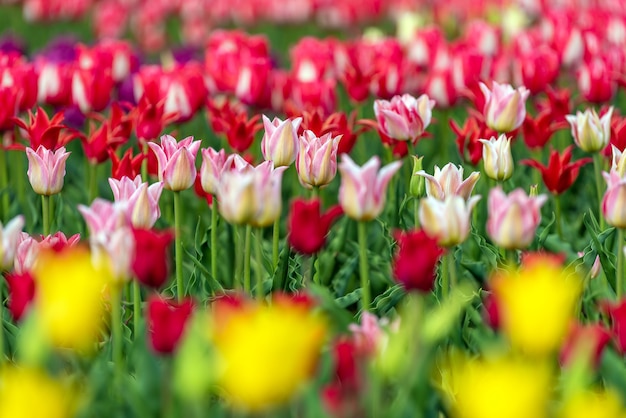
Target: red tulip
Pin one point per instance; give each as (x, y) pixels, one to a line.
(473, 129)
(558, 103)
(8, 108)
(341, 396)
(308, 227)
(596, 81)
(491, 312)
(539, 130)
(21, 293)
(338, 124)
(151, 260)
(618, 134)
(41, 130)
(587, 340)
(538, 68)
(128, 165)
(235, 124)
(166, 322)
(310, 95)
(416, 259)
(617, 311)
(560, 173)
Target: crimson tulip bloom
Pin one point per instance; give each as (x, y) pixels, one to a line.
(560, 173)
(416, 260)
(21, 293)
(166, 323)
(308, 227)
(151, 261)
(41, 130)
(587, 340)
(539, 130)
(129, 165)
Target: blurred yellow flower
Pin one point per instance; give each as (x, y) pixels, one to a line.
(593, 404)
(266, 352)
(69, 301)
(499, 387)
(29, 393)
(536, 304)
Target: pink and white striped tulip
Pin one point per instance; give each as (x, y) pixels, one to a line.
(404, 117)
(505, 107)
(142, 200)
(28, 249)
(177, 162)
(614, 200)
(619, 161)
(449, 181)
(10, 235)
(497, 157)
(213, 162)
(267, 194)
(591, 132)
(362, 193)
(447, 221)
(46, 169)
(317, 159)
(280, 141)
(513, 219)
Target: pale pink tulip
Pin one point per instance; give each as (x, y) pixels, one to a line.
(280, 142)
(362, 193)
(142, 200)
(449, 181)
(614, 201)
(10, 235)
(317, 159)
(46, 169)
(177, 162)
(447, 220)
(505, 107)
(213, 162)
(497, 157)
(619, 161)
(404, 117)
(591, 132)
(28, 249)
(513, 219)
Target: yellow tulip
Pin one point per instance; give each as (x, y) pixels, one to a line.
(593, 404)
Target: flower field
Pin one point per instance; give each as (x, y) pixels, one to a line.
(306, 208)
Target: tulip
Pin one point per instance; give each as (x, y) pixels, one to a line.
(513, 219)
(308, 227)
(29, 248)
(497, 157)
(596, 80)
(586, 341)
(416, 260)
(617, 312)
(592, 402)
(505, 107)
(235, 193)
(213, 163)
(362, 192)
(150, 263)
(9, 241)
(449, 182)
(46, 169)
(280, 142)
(340, 397)
(538, 131)
(167, 321)
(128, 165)
(591, 133)
(404, 117)
(21, 293)
(560, 173)
(317, 159)
(614, 201)
(448, 221)
(416, 184)
(142, 200)
(177, 162)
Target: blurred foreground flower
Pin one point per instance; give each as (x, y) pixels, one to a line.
(267, 351)
(593, 404)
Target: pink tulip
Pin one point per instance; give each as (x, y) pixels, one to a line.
(505, 107)
(213, 162)
(404, 117)
(513, 219)
(449, 181)
(614, 201)
(280, 142)
(317, 159)
(142, 200)
(103, 217)
(46, 169)
(9, 240)
(591, 132)
(362, 193)
(29, 248)
(177, 162)
(448, 221)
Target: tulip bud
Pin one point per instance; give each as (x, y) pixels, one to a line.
(416, 260)
(46, 169)
(614, 201)
(142, 201)
(21, 293)
(416, 185)
(166, 323)
(448, 182)
(280, 142)
(591, 133)
(497, 157)
(317, 159)
(404, 117)
(308, 227)
(212, 165)
(448, 221)
(151, 260)
(505, 107)
(177, 162)
(534, 190)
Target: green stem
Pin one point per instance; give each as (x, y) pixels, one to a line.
(557, 212)
(237, 243)
(4, 183)
(315, 192)
(180, 291)
(93, 181)
(2, 351)
(452, 268)
(275, 241)
(214, 214)
(619, 272)
(444, 278)
(116, 329)
(45, 214)
(19, 171)
(246, 260)
(144, 163)
(136, 307)
(315, 275)
(364, 267)
(260, 292)
(597, 168)
(416, 212)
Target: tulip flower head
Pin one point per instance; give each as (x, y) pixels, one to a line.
(142, 200)
(513, 219)
(593, 403)
(167, 321)
(505, 107)
(614, 200)
(9, 241)
(150, 264)
(447, 220)
(591, 132)
(46, 169)
(362, 193)
(416, 260)
(404, 117)
(280, 142)
(177, 162)
(449, 182)
(497, 157)
(21, 293)
(317, 159)
(618, 162)
(560, 173)
(213, 163)
(308, 227)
